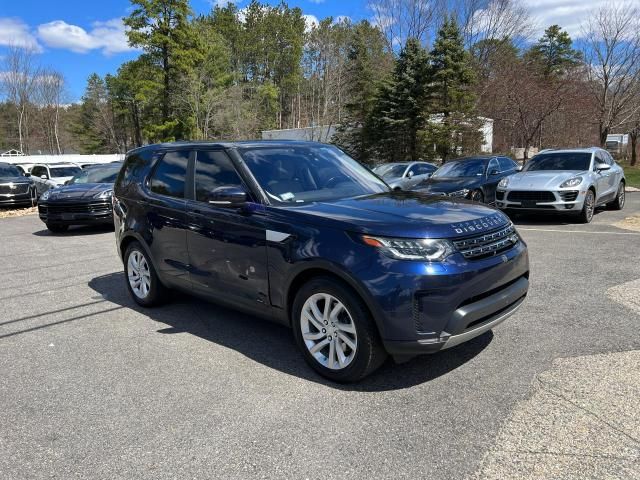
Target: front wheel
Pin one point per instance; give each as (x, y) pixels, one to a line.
(477, 196)
(589, 206)
(618, 203)
(142, 280)
(335, 331)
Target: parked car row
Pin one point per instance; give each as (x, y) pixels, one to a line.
(568, 181)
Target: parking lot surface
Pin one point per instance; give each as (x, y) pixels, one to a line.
(93, 386)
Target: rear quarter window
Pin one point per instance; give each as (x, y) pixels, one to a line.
(132, 171)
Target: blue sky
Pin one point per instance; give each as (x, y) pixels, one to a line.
(80, 37)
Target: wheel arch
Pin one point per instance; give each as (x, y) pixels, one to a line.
(304, 275)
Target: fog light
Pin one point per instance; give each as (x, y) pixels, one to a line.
(569, 206)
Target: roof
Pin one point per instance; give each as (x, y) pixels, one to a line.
(571, 150)
(240, 144)
(54, 165)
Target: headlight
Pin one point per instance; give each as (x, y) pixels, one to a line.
(45, 195)
(460, 193)
(572, 182)
(432, 250)
(104, 195)
(503, 183)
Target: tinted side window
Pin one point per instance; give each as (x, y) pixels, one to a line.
(506, 164)
(422, 169)
(36, 171)
(133, 168)
(214, 170)
(493, 165)
(168, 177)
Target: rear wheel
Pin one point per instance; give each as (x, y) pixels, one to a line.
(335, 331)
(618, 203)
(57, 228)
(589, 206)
(142, 280)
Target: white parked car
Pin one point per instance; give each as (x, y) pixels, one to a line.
(46, 176)
(405, 175)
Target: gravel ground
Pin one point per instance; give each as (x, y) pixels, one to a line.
(95, 387)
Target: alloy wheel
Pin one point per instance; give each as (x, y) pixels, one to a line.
(328, 331)
(589, 204)
(139, 274)
(621, 195)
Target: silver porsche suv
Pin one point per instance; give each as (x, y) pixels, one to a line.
(572, 181)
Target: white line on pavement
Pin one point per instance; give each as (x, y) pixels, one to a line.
(573, 231)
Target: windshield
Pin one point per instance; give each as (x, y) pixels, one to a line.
(64, 171)
(467, 168)
(559, 161)
(389, 171)
(9, 171)
(309, 174)
(96, 175)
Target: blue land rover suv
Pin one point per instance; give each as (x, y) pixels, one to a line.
(302, 234)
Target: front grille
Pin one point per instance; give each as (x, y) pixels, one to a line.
(499, 195)
(16, 188)
(531, 196)
(488, 244)
(93, 208)
(569, 196)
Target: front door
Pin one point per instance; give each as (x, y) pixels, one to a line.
(227, 245)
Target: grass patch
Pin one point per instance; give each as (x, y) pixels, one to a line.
(632, 174)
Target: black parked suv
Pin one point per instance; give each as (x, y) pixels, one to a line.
(302, 234)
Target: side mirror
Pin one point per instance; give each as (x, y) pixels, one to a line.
(602, 166)
(228, 197)
(43, 177)
(494, 172)
(410, 174)
(519, 168)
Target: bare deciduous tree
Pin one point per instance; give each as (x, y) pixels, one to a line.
(18, 85)
(403, 19)
(49, 92)
(612, 54)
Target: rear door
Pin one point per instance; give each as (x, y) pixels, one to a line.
(227, 245)
(493, 177)
(167, 216)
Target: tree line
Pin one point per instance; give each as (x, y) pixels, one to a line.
(414, 84)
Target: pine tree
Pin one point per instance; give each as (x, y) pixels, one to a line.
(368, 62)
(554, 52)
(453, 128)
(397, 122)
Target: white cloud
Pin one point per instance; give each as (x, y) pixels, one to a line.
(310, 21)
(569, 14)
(15, 32)
(317, 1)
(222, 3)
(109, 36)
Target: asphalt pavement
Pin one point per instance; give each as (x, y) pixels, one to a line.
(93, 386)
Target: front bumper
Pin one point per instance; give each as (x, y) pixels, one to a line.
(468, 321)
(553, 201)
(76, 213)
(18, 199)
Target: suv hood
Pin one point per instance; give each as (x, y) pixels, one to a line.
(400, 214)
(542, 179)
(79, 191)
(448, 185)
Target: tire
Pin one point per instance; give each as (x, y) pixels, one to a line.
(139, 271)
(589, 206)
(352, 322)
(477, 196)
(618, 203)
(57, 228)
